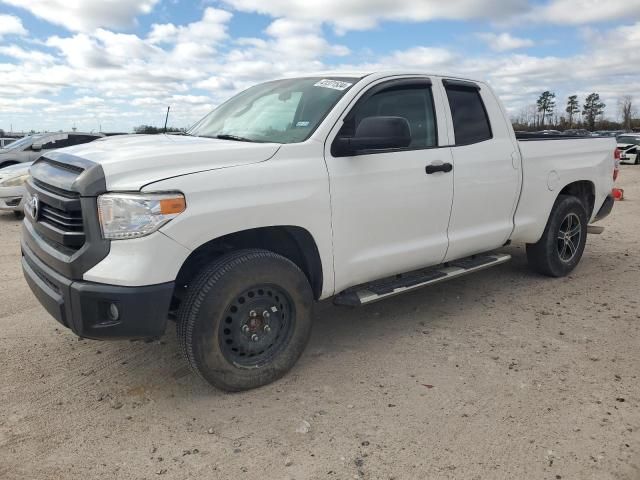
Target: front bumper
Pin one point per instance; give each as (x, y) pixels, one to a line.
(85, 307)
(11, 198)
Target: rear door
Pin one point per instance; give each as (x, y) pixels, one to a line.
(388, 214)
(487, 173)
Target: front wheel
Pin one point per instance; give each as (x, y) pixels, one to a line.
(561, 246)
(246, 319)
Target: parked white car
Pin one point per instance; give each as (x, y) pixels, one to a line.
(298, 190)
(629, 145)
(12, 180)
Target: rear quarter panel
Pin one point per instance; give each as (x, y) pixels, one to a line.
(550, 165)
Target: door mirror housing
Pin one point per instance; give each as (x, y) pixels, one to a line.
(36, 147)
(375, 133)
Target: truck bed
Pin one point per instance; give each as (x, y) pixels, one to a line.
(544, 176)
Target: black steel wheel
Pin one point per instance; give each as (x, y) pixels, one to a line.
(562, 243)
(246, 319)
(257, 325)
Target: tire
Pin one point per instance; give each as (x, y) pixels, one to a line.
(254, 301)
(553, 255)
(637, 160)
(18, 214)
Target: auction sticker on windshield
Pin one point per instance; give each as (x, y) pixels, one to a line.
(335, 84)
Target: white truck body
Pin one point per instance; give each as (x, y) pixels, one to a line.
(370, 216)
(363, 198)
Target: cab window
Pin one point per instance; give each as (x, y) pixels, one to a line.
(412, 101)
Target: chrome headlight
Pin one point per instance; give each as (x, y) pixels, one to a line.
(133, 215)
(14, 181)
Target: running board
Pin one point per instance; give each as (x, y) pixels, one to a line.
(405, 282)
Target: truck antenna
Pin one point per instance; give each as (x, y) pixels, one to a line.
(166, 119)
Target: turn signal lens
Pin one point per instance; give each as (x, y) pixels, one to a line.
(172, 206)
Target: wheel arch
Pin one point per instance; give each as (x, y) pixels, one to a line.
(7, 163)
(292, 242)
(585, 191)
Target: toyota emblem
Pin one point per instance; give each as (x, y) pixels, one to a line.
(34, 207)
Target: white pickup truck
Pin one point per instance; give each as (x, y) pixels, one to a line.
(351, 186)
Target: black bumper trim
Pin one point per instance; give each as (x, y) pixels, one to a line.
(84, 306)
(605, 209)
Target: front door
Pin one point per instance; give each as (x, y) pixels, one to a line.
(388, 215)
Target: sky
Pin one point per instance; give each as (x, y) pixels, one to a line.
(116, 64)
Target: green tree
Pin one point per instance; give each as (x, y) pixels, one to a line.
(592, 109)
(546, 103)
(150, 129)
(573, 108)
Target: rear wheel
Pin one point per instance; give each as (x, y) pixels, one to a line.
(561, 246)
(246, 319)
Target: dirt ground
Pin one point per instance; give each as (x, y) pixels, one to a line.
(501, 374)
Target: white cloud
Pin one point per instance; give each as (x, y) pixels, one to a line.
(365, 14)
(33, 56)
(212, 28)
(86, 15)
(122, 79)
(502, 42)
(11, 25)
(585, 11)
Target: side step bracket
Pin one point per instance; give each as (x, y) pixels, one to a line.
(405, 282)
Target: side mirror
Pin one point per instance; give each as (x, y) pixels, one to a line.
(375, 133)
(36, 147)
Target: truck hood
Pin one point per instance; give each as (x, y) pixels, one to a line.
(133, 161)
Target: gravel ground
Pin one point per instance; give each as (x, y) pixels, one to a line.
(501, 374)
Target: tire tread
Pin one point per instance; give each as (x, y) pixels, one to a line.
(204, 282)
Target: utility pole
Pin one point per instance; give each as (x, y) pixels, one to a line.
(166, 119)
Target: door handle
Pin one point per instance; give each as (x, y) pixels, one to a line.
(442, 167)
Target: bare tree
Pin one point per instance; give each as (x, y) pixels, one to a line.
(627, 111)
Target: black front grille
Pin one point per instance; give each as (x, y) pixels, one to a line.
(58, 191)
(64, 221)
(58, 215)
(65, 232)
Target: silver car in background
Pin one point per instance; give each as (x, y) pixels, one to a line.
(12, 179)
(4, 142)
(31, 147)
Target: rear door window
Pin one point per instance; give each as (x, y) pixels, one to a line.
(470, 120)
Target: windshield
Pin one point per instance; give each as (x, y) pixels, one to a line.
(631, 140)
(283, 111)
(22, 143)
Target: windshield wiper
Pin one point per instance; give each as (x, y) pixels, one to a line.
(237, 138)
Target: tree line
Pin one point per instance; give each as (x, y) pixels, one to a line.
(544, 114)
(150, 129)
